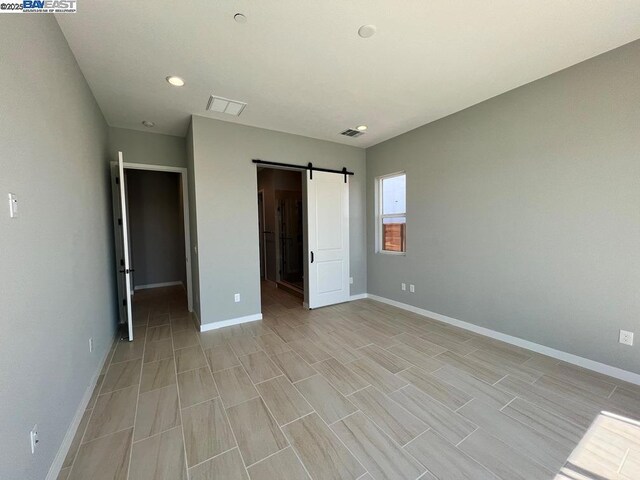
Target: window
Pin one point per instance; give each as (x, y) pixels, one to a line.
(392, 213)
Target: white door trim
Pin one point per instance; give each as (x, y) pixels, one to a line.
(185, 215)
(262, 214)
(124, 215)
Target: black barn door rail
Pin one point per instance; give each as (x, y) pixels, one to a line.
(309, 167)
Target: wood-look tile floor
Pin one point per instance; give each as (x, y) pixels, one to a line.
(354, 391)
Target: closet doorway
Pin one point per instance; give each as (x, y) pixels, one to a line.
(151, 221)
(280, 222)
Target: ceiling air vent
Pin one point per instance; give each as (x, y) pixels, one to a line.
(350, 132)
(225, 105)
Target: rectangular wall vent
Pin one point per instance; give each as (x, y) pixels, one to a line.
(225, 105)
(349, 132)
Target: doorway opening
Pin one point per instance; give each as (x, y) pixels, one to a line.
(280, 224)
(156, 229)
(151, 222)
(303, 220)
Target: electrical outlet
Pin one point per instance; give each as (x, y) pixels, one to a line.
(34, 438)
(236, 297)
(626, 338)
(90, 345)
(403, 286)
(412, 288)
(350, 280)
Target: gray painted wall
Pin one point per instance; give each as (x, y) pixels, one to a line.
(149, 148)
(227, 209)
(57, 282)
(155, 224)
(523, 211)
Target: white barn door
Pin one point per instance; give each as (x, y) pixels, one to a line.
(328, 238)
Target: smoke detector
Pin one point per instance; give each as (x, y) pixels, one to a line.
(225, 105)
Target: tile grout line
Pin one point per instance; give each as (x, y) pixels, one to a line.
(135, 415)
(507, 404)
(499, 380)
(215, 456)
(226, 415)
(399, 445)
(346, 416)
(302, 416)
(345, 446)
(175, 367)
(224, 409)
(467, 436)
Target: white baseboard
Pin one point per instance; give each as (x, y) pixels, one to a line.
(358, 296)
(227, 323)
(603, 368)
(58, 460)
(157, 285)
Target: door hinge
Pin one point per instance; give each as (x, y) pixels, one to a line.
(121, 262)
(124, 302)
(119, 221)
(117, 180)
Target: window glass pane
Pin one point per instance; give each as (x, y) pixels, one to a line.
(394, 195)
(394, 231)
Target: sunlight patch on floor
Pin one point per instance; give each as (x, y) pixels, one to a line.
(610, 450)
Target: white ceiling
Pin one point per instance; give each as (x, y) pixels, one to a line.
(302, 68)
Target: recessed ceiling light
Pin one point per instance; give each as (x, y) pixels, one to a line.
(366, 31)
(175, 81)
(148, 124)
(240, 18)
(361, 128)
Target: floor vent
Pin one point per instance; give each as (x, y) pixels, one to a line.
(350, 132)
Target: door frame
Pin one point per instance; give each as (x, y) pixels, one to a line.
(185, 214)
(263, 242)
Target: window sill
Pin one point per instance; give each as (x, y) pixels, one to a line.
(396, 254)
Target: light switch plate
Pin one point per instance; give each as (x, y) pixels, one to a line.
(33, 436)
(403, 286)
(13, 205)
(412, 288)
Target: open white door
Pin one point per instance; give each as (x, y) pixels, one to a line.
(123, 258)
(328, 238)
